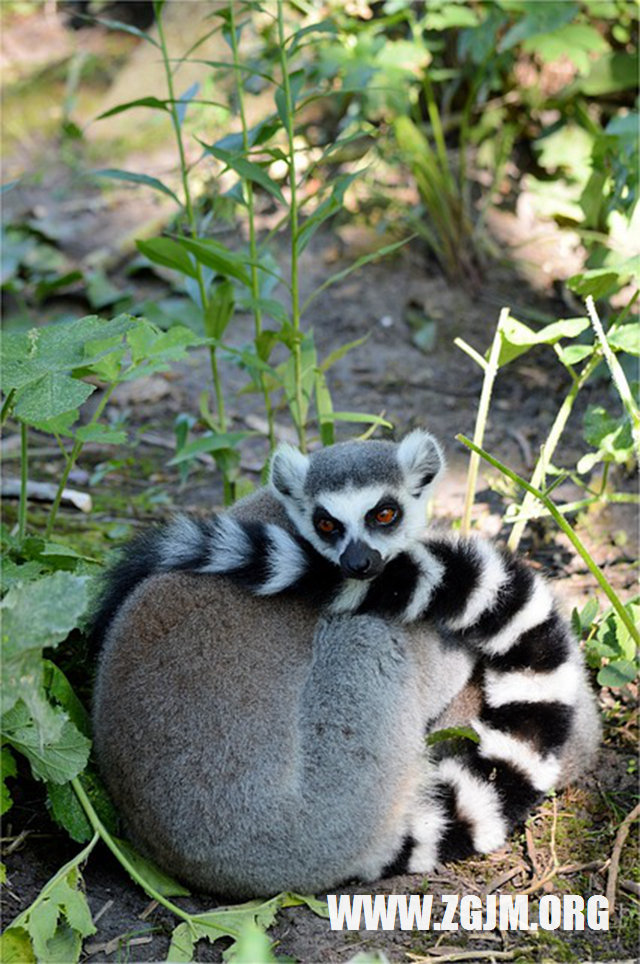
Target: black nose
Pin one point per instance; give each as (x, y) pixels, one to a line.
(360, 561)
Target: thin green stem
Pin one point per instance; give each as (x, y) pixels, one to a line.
(24, 479)
(188, 204)
(71, 461)
(253, 246)
(549, 447)
(293, 225)
(617, 374)
(562, 523)
(102, 832)
(490, 372)
(568, 508)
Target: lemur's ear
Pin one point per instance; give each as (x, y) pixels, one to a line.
(288, 471)
(421, 460)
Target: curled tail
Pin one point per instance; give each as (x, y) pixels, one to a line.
(261, 557)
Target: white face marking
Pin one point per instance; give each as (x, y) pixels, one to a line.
(349, 506)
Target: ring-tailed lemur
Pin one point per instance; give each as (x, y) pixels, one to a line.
(296, 742)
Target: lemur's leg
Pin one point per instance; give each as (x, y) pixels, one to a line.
(362, 747)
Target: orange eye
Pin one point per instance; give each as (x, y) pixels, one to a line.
(386, 516)
(325, 525)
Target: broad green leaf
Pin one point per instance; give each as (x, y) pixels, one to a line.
(600, 282)
(50, 395)
(60, 690)
(247, 170)
(182, 945)
(573, 354)
(574, 41)
(217, 256)
(36, 615)
(539, 18)
(613, 72)
(15, 947)
(626, 338)
(453, 733)
(68, 812)
(55, 760)
(209, 443)
(617, 673)
(169, 254)
(152, 102)
(135, 178)
(267, 306)
(252, 947)
(9, 769)
(155, 877)
(518, 338)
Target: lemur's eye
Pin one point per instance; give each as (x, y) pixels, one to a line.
(386, 515)
(327, 526)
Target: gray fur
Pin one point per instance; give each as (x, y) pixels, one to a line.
(252, 747)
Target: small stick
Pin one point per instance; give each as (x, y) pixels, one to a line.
(504, 878)
(621, 836)
(465, 956)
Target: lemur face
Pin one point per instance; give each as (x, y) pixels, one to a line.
(359, 504)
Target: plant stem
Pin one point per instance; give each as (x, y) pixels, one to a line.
(24, 478)
(293, 224)
(580, 548)
(71, 461)
(549, 448)
(253, 247)
(490, 372)
(617, 374)
(175, 119)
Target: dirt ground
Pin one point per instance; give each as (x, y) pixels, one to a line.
(438, 390)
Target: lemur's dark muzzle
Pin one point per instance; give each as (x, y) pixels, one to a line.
(360, 561)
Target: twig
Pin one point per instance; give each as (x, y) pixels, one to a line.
(466, 956)
(631, 886)
(500, 881)
(103, 910)
(621, 836)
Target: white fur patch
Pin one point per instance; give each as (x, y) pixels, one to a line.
(493, 576)
(528, 686)
(431, 572)
(180, 542)
(477, 802)
(542, 772)
(286, 561)
(428, 825)
(229, 546)
(420, 454)
(287, 473)
(534, 612)
(350, 597)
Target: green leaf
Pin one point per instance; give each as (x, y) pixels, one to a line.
(588, 614)
(613, 72)
(217, 256)
(324, 408)
(219, 310)
(618, 673)
(60, 690)
(152, 102)
(67, 812)
(209, 443)
(135, 178)
(182, 946)
(9, 769)
(56, 759)
(104, 434)
(169, 254)
(453, 733)
(296, 82)
(15, 947)
(361, 417)
(575, 41)
(539, 18)
(626, 338)
(518, 338)
(36, 615)
(156, 878)
(573, 354)
(125, 28)
(247, 170)
(601, 282)
(50, 395)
